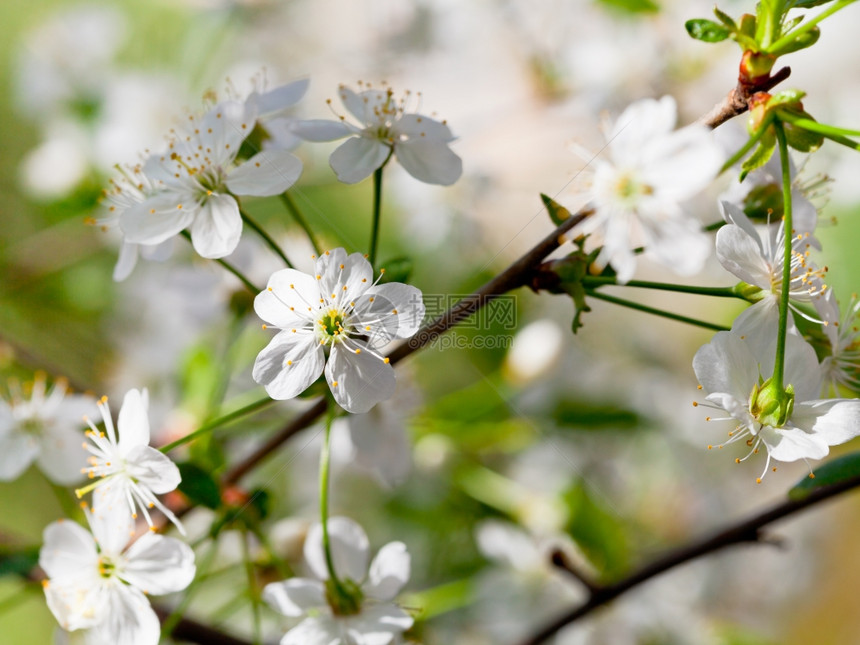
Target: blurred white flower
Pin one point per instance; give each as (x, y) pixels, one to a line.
(361, 612)
(98, 582)
(54, 169)
(196, 179)
(638, 191)
(799, 426)
(535, 350)
(842, 366)
(340, 308)
(419, 142)
(272, 106)
(130, 472)
(45, 428)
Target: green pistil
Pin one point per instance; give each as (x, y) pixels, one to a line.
(32, 427)
(332, 324)
(106, 567)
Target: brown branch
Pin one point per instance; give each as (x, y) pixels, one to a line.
(191, 631)
(737, 101)
(516, 275)
(747, 531)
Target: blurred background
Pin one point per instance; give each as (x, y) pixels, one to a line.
(517, 436)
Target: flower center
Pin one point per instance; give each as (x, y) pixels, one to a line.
(628, 188)
(32, 426)
(330, 327)
(345, 598)
(106, 567)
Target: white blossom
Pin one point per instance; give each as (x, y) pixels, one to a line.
(99, 582)
(371, 617)
(128, 472)
(45, 428)
(638, 190)
(196, 178)
(386, 128)
(732, 369)
(841, 367)
(341, 309)
(272, 107)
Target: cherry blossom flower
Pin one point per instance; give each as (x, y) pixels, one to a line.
(45, 428)
(419, 142)
(97, 581)
(342, 309)
(637, 192)
(271, 107)
(759, 261)
(791, 425)
(367, 616)
(197, 177)
(128, 473)
(841, 367)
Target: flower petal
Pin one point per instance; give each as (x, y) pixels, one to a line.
(112, 525)
(350, 549)
(68, 550)
(157, 565)
(378, 621)
(791, 444)
(338, 270)
(129, 619)
(17, 452)
(269, 172)
(725, 365)
(284, 303)
(320, 630)
(217, 227)
(356, 159)
(153, 469)
(389, 572)
(741, 254)
(432, 162)
(358, 381)
(835, 421)
(126, 260)
(285, 96)
(157, 218)
(418, 125)
(392, 310)
(321, 130)
(639, 124)
(289, 364)
(133, 421)
(61, 456)
(296, 596)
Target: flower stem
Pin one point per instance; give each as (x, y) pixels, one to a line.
(253, 592)
(815, 126)
(779, 362)
(291, 205)
(377, 210)
(594, 282)
(325, 461)
(248, 284)
(791, 36)
(266, 237)
(217, 423)
(657, 312)
(740, 154)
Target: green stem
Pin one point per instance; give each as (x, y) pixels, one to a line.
(291, 205)
(657, 312)
(325, 461)
(791, 36)
(266, 237)
(740, 154)
(178, 612)
(716, 226)
(600, 281)
(250, 285)
(220, 421)
(377, 210)
(252, 589)
(815, 126)
(779, 362)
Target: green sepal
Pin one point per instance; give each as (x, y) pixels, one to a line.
(806, 39)
(557, 213)
(707, 30)
(763, 204)
(397, 270)
(760, 156)
(570, 271)
(345, 599)
(749, 292)
(799, 138)
(830, 473)
(199, 486)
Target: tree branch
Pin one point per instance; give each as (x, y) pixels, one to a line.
(747, 531)
(191, 631)
(737, 101)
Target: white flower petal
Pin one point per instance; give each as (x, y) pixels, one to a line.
(157, 565)
(356, 274)
(129, 619)
(350, 549)
(321, 630)
(356, 159)
(223, 129)
(61, 456)
(17, 452)
(389, 572)
(432, 162)
(269, 172)
(683, 162)
(679, 245)
(418, 125)
(288, 365)
(153, 469)
(157, 218)
(68, 550)
(112, 526)
(217, 227)
(78, 603)
(126, 260)
(381, 443)
(133, 421)
(321, 129)
(740, 254)
(392, 310)
(358, 381)
(792, 444)
(376, 622)
(270, 103)
(835, 421)
(284, 303)
(639, 124)
(726, 365)
(296, 596)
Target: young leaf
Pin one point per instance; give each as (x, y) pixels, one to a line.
(832, 472)
(557, 212)
(18, 561)
(804, 40)
(759, 157)
(632, 6)
(726, 19)
(808, 4)
(707, 30)
(199, 486)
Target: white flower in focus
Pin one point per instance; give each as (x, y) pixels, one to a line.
(759, 261)
(342, 309)
(98, 581)
(419, 142)
(363, 612)
(196, 179)
(842, 366)
(271, 107)
(637, 192)
(45, 428)
(129, 473)
(731, 370)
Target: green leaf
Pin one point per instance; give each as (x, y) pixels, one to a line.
(591, 415)
(199, 486)
(557, 213)
(707, 30)
(726, 19)
(832, 472)
(397, 270)
(632, 6)
(760, 156)
(18, 561)
(804, 40)
(807, 4)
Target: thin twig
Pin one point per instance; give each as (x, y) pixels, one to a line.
(746, 531)
(737, 101)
